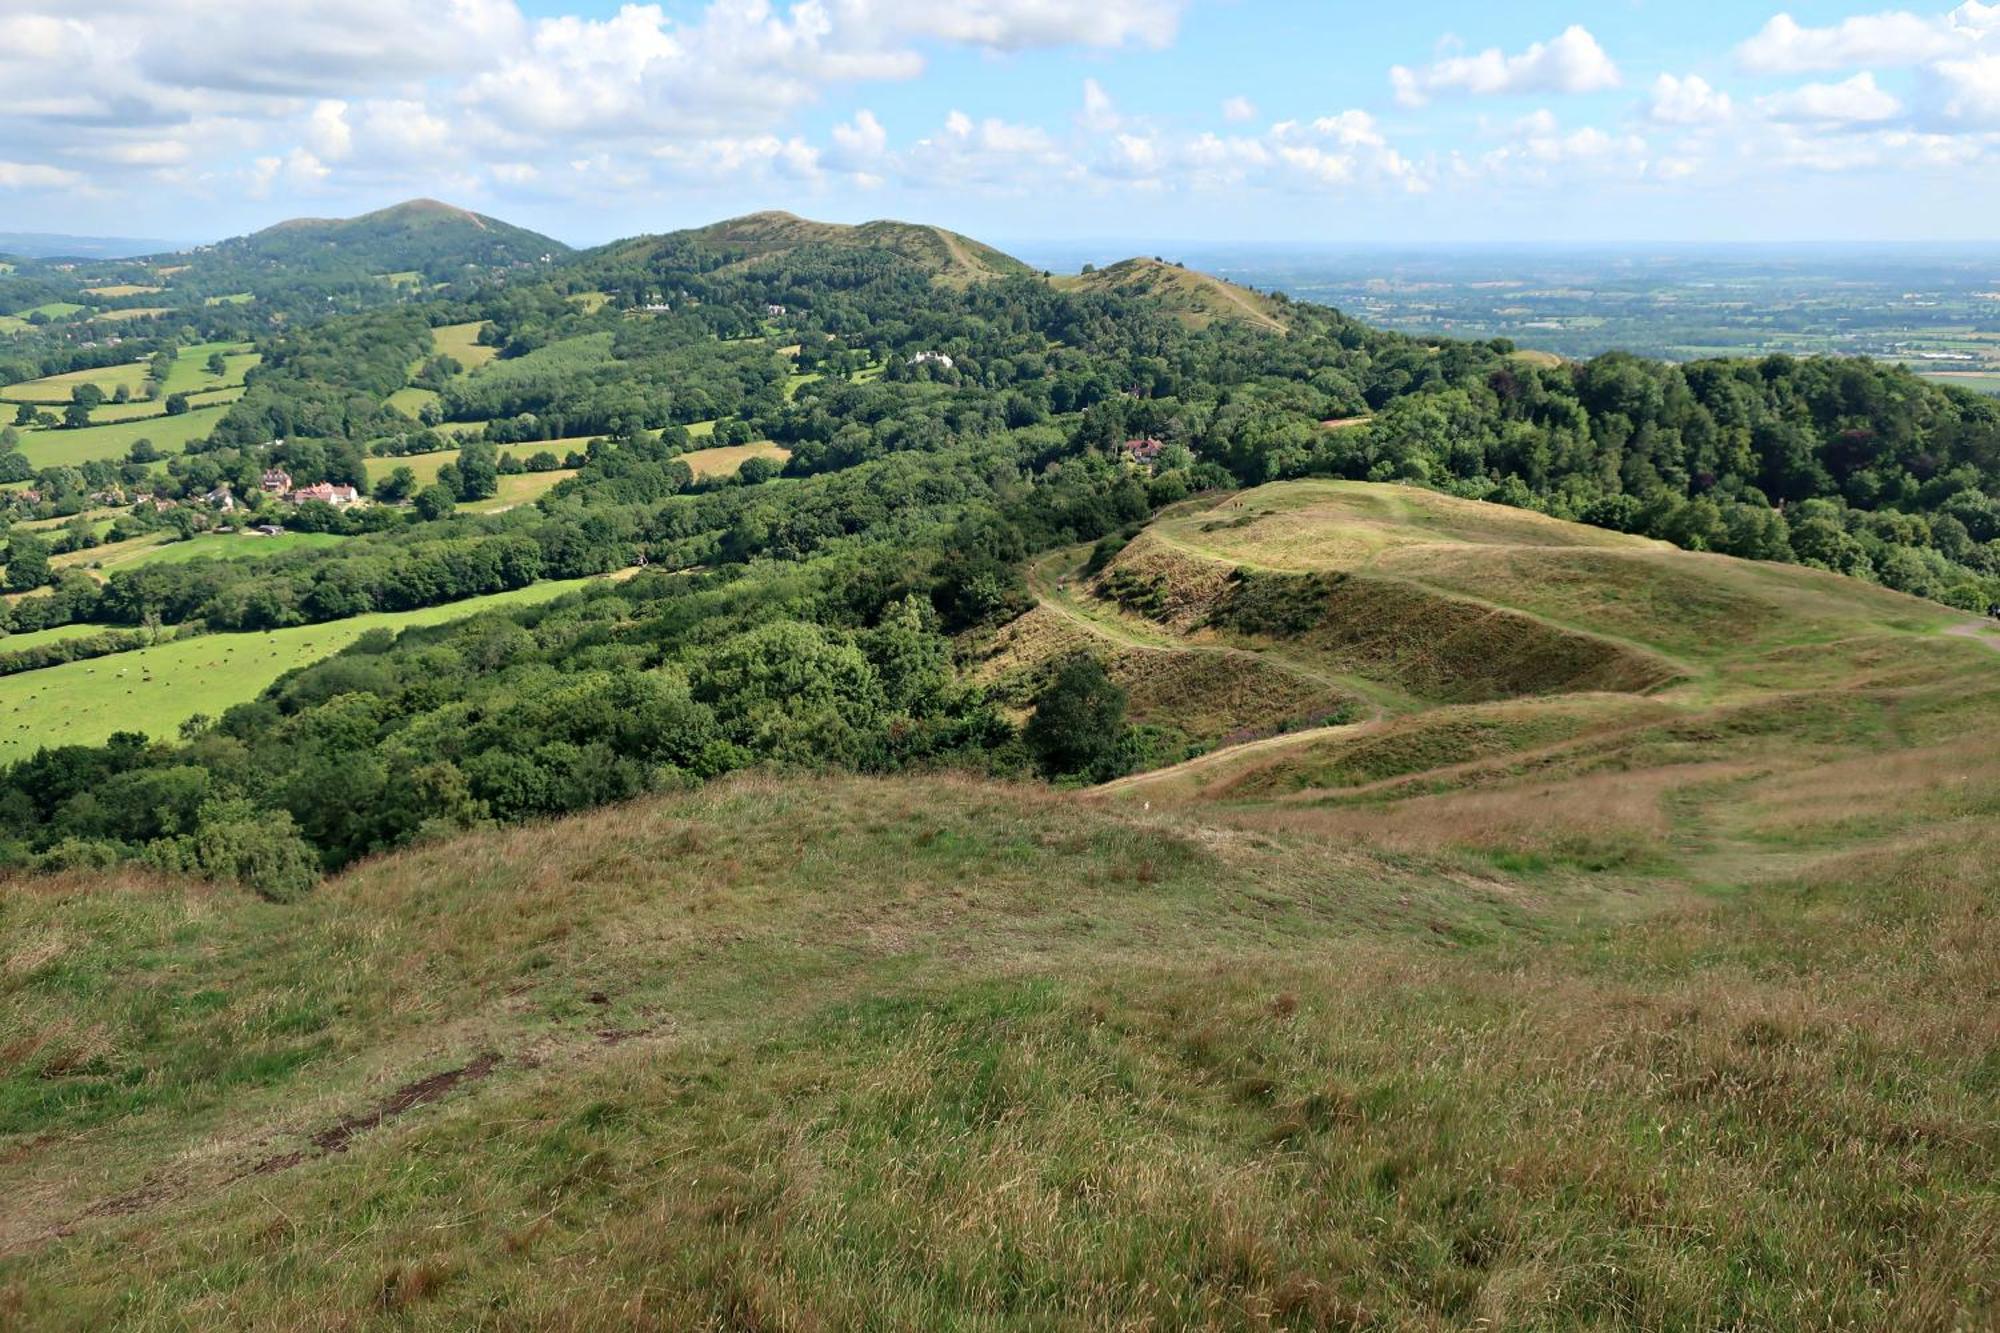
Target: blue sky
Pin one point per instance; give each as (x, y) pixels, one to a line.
(1201, 120)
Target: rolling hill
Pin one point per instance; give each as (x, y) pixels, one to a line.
(1645, 896)
(1196, 299)
(760, 238)
(421, 235)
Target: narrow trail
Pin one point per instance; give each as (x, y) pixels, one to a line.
(1231, 753)
(1046, 582)
(1979, 632)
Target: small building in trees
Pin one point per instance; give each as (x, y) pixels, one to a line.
(340, 497)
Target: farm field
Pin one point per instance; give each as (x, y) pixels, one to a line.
(521, 488)
(131, 313)
(189, 372)
(460, 342)
(233, 298)
(81, 703)
(724, 460)
(213, 546)
(15, 643)
(60, 389)
(410, 401)
(123, 289)
(67, 448)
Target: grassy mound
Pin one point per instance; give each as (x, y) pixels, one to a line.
(931, 1054)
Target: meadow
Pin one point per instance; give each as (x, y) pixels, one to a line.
(60, 389)
(460, 342)
(724, 460)
(82, 703)
(112, 440)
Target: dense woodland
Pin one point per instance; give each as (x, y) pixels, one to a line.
(806, 619)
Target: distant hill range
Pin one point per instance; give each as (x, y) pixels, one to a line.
(54, 245)
(421, 236)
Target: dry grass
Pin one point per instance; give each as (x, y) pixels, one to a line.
(724, 460)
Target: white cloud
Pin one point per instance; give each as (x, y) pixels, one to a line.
(1016, 25)
(862, 138)
(1100, 115)
(1237, 110)
(1688, 101)
(1970, 88)
(33, 175)
(1853, 101)
(1570, 63)
(327, 131)
(1897, 37)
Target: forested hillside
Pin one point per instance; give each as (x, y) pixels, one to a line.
(927, 421)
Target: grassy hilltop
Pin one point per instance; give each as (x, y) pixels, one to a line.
(1619, 956)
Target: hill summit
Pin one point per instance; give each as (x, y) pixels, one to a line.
(417, 235)
(760, 238)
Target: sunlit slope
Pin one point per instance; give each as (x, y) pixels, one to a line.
(761, 238)
(1196, 299)
(845, 1053)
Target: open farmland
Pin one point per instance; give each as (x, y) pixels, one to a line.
(724, 460)
(67, 448)
(158, 688)
(189, 372)
(123, 289)
(517, 489)
(56, 390)
(460, 342)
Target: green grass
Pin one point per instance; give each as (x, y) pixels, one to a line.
(1579, 1012)
(234, 298)
(521, 488)
(221, 546)
(410, 401)
(461, 343)
(67, 448)
(53, 309)
(156, 689)
(189, 372)
(926, 1054)
(14, 643)
(61, 389)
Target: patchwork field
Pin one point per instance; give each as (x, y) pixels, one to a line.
(82, 703)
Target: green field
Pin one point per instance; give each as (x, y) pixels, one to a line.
(189, 373)
(67, 448)
(60, 389)
(155, 549)
(53, 309)
(81, 703)
(521, 488)
(234, 298)
(461, 343)
(14, 643)
(410, 401)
